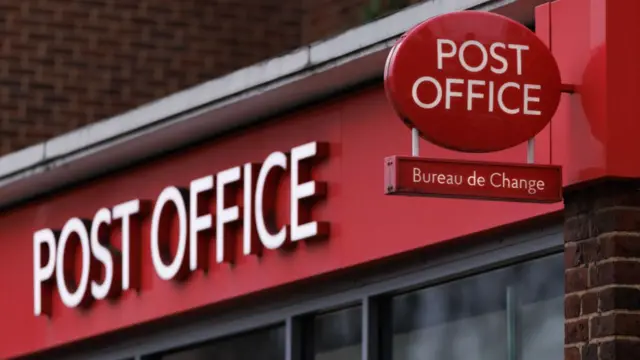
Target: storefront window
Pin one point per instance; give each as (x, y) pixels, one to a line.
(514, 313)
(541, 310)
(338, 335)
(268, 343)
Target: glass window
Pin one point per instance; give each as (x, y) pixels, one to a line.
(338, 335)
(484, 317)
(269, 343)
(540, 317)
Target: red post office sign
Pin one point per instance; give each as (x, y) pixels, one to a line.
(473, 81)
(473, 180)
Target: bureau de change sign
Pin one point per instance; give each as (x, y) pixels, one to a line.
(474, 82)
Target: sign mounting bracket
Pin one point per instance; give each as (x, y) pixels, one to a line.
(568, 88)
(531, 143)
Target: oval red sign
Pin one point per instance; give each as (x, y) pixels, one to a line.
(473, 81)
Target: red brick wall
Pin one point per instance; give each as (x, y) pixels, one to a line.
(602, 272)
(67, 63)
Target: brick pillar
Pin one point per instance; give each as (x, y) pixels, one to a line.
(602, 271)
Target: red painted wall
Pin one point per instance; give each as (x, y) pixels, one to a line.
(596, 44)
(366, 225)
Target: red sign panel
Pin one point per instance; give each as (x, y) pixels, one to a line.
(473, 180)
(473, 81)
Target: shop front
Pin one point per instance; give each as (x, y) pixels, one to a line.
(256, 226)
(280, 218)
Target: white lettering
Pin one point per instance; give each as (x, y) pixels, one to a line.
(159, 249)
(41, 273)
(301, 191)
(102, 254)
(495, 183)
(529, 99)
(491, 96)
(473, 95)
(450, 93)
(224, 214)
(73, 297)
(124, 212)
(197, 223)
(501, 103)
(441, 54)
(531, 186)
(247, 246)
(518, 49)
(416, 175)
(499, 58)
(434, 178)
(483, 50)
(480, 89)
(414, 92)
(54, 258)
(270, 241)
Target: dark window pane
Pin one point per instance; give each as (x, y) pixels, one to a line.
(338, 335)
(541, 310)
(461, 320)
(467, 319)
(268, 343)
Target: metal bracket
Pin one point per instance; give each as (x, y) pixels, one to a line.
(531, 144)
(531, 151)
(415, 142)
(568, 88)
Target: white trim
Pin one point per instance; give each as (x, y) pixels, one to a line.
(234, 100)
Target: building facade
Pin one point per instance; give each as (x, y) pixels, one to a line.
(245, 218)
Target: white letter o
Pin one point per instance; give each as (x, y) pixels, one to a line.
(414, 92)
(485, 56)
(169, 194)
(73, 299)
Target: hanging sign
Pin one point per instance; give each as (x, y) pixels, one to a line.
(407, 175)
(473, 81)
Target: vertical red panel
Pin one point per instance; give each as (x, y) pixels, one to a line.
(574, 32)
(544, 143)
(620, 59)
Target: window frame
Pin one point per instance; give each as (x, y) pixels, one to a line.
(372, 293)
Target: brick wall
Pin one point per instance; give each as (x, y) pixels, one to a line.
(602, 272)
(67, 63)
